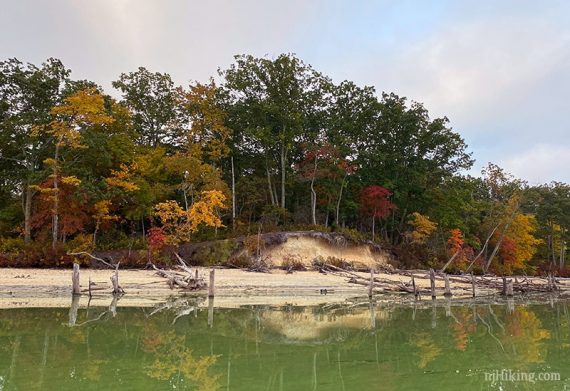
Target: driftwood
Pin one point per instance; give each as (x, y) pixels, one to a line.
(469, 281)
(188, 280)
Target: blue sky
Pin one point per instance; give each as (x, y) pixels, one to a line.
(499, 70)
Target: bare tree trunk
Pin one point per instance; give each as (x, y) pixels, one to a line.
(55, 216)
(273, 200)
(373, 224)
(553, 245)
(233, 195)
(483, 249)
(314, 194)
(496, 249)
(562, 249)
(28, 213)
(184, 190)
(283, 174)
(95, 233)
(339, 199)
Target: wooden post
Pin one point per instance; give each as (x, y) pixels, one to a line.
(211, 289)
(432, 282)
(447, 292)
(117, 290)
(473, 283)
(211, 310)
(196, 275)
(90, 283)
(504, 292)
(371, 285)
(509, 290)
(416, 294)
(76, 288)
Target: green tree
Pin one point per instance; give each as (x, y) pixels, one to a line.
(409, 153)
(152, 99)
(275, 104)
(27, 94)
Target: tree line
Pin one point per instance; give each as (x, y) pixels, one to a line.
(264, 145)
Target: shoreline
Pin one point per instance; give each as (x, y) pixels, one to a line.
(35, 288)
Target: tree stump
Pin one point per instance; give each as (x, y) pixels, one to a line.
(447, 292)
(75, 288)
(117, 289)
(509, 290)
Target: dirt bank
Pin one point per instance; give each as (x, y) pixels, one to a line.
(305, 249)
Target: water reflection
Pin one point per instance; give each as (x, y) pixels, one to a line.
(187, 343)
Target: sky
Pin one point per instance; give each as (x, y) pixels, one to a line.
(498, 69)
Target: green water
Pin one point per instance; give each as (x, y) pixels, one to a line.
(327, 347)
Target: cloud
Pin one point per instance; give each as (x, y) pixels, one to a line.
(541, 163)
(498, 70)
(188, 39)
(502, 78)
(476, 67)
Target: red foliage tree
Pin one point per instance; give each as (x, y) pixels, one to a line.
(74, 211)
(375, 202)
(508, 254)
(156, 238)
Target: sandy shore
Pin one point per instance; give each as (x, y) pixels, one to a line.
(52, 288)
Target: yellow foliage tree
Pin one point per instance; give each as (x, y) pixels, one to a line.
(521, 232)
(422, 226)
(82, 109)
(123, 178)
(178, 223)
(207, 133)
(101, 213)
(205, 211)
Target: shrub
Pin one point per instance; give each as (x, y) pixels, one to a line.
(12, 245)
(293, 262)
(81, 242)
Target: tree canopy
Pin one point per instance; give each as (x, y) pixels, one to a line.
(265, 144)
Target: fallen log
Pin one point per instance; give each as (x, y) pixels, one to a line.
(175, 279)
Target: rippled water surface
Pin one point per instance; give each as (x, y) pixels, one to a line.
(357, 346)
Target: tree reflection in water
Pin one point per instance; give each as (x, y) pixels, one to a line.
(360, 345)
